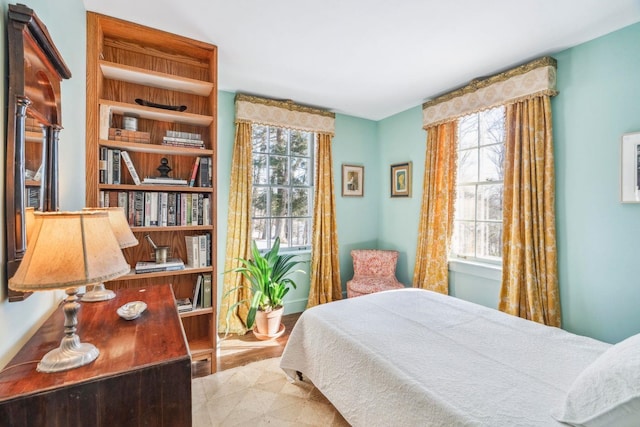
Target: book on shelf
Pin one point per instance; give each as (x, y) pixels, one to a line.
(172, 264)
(204, 172)
(185, 135)
(116, 166)
(103, 165)
(196, 292)
(206, 290)
(184, 304)
(193, 252)
(194, 172)
(183, 142)
(164, 181)
(132, 170)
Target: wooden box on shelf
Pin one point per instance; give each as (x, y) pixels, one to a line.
(168, 83)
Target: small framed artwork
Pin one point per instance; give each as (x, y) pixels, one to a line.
(630, 168)
(401, 180)
(352, 181)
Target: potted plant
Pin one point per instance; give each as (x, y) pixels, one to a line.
(268, 275)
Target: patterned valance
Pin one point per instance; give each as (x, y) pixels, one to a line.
(529, 80)
(285, 114)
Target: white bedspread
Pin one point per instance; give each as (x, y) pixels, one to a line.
(417, 358)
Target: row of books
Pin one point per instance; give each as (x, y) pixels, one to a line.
(110, 170)
(183, 139)
(160, 208)
(201, 295)
(172, 264)
(198, 250)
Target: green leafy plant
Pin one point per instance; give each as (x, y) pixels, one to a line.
(268, 275)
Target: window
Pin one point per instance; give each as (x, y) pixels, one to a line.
(282, 201)
(477, 231)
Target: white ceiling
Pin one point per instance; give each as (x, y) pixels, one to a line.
(372, 58)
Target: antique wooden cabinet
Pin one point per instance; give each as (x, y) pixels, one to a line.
(142, 376)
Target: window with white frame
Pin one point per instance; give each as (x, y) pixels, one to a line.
(477, 231)
(282, 200)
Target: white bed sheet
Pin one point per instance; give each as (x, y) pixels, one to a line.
(417, 358)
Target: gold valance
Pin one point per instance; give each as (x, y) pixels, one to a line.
(285, 114)
(535, 78)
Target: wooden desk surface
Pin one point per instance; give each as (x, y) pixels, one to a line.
(154, 340)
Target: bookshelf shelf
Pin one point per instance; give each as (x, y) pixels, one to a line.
(155, 148)
(157, 114)
(187, 270)
(143, 187)
(127, 61)
(115, 71)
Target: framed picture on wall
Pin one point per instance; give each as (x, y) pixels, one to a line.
(630, 168)
(401, 180)
(352, 181)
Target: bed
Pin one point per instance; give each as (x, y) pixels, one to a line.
(414, 357)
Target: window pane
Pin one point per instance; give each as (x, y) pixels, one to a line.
(260, 139)
(491, 163)
(467, 166)
(259, 169)
(259, 202)
(278, 140)
(490, 202)
(466, 202)
(468, 132)
(300, 202)
(300, 143)
(259, 232)
(279, 201)
(463, 240)
(300, 171)
(301, 232)
(489, 239)
(492, 125)
(279, 229)
(278, 170)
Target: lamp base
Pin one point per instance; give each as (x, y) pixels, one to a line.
(71, 354)
(98, 293)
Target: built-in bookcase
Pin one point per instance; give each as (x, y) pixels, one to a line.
(167, 83)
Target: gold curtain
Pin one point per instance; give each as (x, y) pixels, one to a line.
(436, 214)
(238, 232)
(325, 270)
(529, 270)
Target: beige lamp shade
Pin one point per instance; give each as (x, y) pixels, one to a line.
(119, 224)
(30, 218)
(69, 249)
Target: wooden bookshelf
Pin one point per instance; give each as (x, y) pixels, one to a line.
(125, 62)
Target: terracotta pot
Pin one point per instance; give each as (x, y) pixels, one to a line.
(268, 322)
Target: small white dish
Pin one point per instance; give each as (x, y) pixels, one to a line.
(132, 310)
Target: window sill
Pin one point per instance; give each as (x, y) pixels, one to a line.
(487, 271)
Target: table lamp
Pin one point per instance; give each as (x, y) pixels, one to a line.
(125, 239)
(67, 250)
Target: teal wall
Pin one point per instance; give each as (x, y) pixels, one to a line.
(65, 20)
(598, 237)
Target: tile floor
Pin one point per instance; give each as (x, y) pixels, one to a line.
(259, 394)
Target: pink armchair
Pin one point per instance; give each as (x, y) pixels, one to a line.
(373, 271)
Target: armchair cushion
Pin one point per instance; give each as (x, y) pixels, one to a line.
(373, 271)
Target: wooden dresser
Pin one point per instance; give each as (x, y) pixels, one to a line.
(142, 376)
